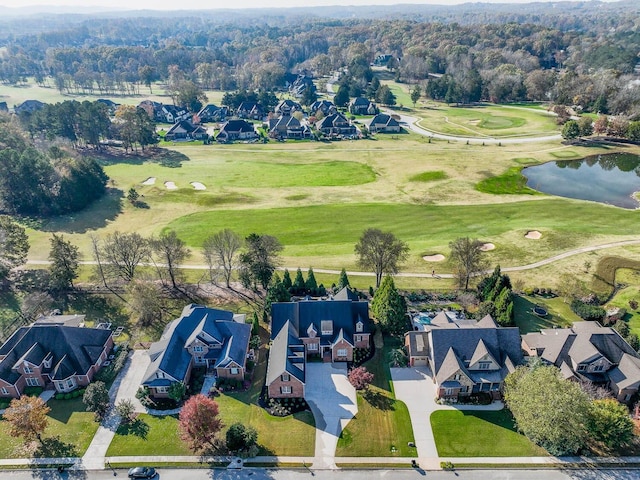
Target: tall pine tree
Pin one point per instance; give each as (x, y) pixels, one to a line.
(390, 308)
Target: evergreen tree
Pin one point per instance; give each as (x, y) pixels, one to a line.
(415, 94)
(286, 280)
(64, 257)
(342, 97)
(343, 281)
(277, 292)
(311, 284)
(389, 308)
(298, 284)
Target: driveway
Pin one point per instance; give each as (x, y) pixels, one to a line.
(333, 402)
(134, 369)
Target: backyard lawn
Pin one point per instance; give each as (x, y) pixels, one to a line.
(382, 426)
(68, 434)
(558, 313)
(480, 434)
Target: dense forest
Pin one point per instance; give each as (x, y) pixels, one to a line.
(583, 54)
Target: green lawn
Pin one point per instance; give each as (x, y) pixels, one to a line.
(479, 434)
(428, 176)
(631, 278)
(558, 313)
(68, 434)
(512, 182)
(382, 426)
(149, 435)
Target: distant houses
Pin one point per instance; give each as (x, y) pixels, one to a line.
(236, 130)
(185, 130)
(384, 123)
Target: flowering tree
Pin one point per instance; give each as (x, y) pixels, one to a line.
(360, 378)
(199, 423)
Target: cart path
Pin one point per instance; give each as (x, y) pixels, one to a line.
(530, 266)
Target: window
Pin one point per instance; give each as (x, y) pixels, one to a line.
(60, 385)
(71, 383)
(234, 371)
(159, 375)
(485, 387)
(285, 377)
(33, 382)
(327, 327)
(198, 349)
(448, 391)
(312, 347)
(285, 389)
(484, 365)
(581, 368)
(162, 389)
(598, 368)
(457, 376)
(464, 389)
(342, 352)
(27, 369)
(359, 326)
(6, 392)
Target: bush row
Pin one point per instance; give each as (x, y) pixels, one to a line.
(587, 311)
(69, 395)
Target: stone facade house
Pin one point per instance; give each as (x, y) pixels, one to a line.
(465, 356)
(204, 337)
(328, 330)
(288, 127)
(287, 107)
(52, 355)
(250, 110)
(589, 352)
(213, 113)
(324, 106)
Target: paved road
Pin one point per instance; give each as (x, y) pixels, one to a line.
(272, 474)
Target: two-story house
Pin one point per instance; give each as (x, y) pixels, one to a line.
(288, 127)
(287, 107)
(591, 352)
(362, 106)
(214, 339)
(251, 110)
(336, 124)
(48, 354)
(324, 329)
(324, 106)
(213, 113)
(465, 356)
(236, 130)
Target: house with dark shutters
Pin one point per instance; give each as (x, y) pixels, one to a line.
(465, 356)
(204, 337)
(48, 354)
(213, 113)
(329, 330)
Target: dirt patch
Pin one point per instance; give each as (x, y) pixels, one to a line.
(170, 185)
(436, 257)
(198, 186)
(149, 181)
(533, 235)
(487, 247)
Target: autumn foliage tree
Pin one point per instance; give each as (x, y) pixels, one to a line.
(27, 417)
(360, 378)
(199, 423)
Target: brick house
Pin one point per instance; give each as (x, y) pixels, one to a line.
(465, 356)
(588, 352)
(236, 130)
(336, 124)
(204, 337)
(51, 355)
(383, 123)
(325, 329)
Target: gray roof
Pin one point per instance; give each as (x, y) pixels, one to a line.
(72, 350)
(237, 126)
(384, 119)
(286, 354)
(67, 320)
(170, 355)
(627, 373)
(418, 343)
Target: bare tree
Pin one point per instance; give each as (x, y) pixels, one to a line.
(380, 251)
(171, 252)
(467, 256)
(221, 250)
(122, 253)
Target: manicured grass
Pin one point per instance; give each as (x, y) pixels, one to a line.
(558, 313)
(565, 154)
(379, 412)
(512, 182)
(68, 434)
(621, 299)
(604, 280)
(428, 176)
(479, 434)
(150, 435)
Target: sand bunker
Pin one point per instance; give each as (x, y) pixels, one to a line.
(487, 246)
(170, 185)
(149, 181)
(438, 257)
(198, 186)
(533, 235)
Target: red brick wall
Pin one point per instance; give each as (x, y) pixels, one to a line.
(342, 344)
(364, 343)
(297, 388)
(226, 373)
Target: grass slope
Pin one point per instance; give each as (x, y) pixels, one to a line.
(480, 434)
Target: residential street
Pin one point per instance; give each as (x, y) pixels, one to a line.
(269, 474)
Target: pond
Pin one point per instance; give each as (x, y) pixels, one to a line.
(611, 179)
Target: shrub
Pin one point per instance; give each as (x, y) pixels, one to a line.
(67, 396)
(446, 465)
(32, 391)
(59, 396)
(633, 304)
(586, 311)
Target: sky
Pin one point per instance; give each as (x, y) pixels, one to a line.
(216, 4)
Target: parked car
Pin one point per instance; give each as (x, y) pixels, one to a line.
(142, 472)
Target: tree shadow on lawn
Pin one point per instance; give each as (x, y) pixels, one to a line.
(97, 215)
(378, 400)
(500, 418)
(163, 156)
(137, 427)
(53, 447)
(98, 307)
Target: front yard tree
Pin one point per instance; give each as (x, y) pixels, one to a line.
(177, 391)
(96, 399)
(551, 411)
(64, 258)
(220, 250)
(390, 308)
(467, 257)
(360, 378)
(14, 246)
(27, 417)
(380, 251)
(260, 259)
(609, 423)
(199, 423)
(241, 438)
(126, 410)
(171, 252)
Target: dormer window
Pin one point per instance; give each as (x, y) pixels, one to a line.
(47, 363)
(311, 331)
(326, 327)
(198, 349)
(27, 369)
(359, 326)
(484, 365)
(581, 368)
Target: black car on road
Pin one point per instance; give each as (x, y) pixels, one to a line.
(142, 472)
